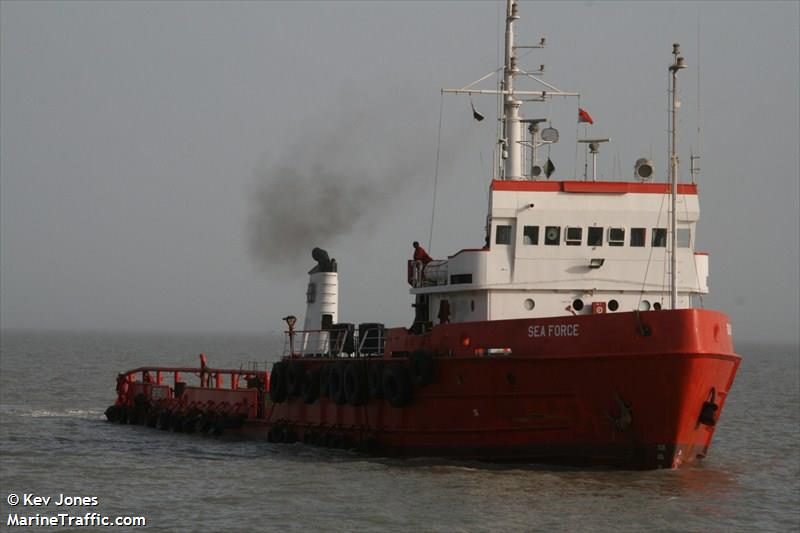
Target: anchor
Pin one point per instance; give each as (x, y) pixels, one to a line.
(623, 421)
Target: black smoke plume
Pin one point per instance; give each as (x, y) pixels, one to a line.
(327, 184)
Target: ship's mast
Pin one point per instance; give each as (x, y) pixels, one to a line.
(511, 143)
(677, 65)
(512, 150)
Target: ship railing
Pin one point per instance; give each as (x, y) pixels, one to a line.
(306, 343)
(335, 343)
(207, 377)
(427, 275)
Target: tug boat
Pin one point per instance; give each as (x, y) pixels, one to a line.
(574, 335)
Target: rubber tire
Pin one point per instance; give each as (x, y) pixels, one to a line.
(397, 386)
(324, 380)
(356, 387)
(375, 379)
(294, 378)
(422, 368)
(311, 386)
(277, 382)
(336, 383)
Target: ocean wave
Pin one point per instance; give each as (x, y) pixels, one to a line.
(31, 412)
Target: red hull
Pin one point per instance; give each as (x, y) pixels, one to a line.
(553, 397)
(624, 389)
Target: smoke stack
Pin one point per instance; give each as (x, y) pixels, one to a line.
(322, 301)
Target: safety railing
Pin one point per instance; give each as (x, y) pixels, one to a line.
(427, 275)
(342, 342)
(207, 377)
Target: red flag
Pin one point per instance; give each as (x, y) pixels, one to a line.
(583, 116)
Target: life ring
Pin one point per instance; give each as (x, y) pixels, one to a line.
(397, 386)
(294, 378)
(422, 368)
(311, 386)
(355, 383)
(336, 383)
(277, 382)
(375, 379)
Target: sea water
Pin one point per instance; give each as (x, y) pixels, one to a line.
(55, 442)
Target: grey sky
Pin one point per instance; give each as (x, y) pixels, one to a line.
(134, 137)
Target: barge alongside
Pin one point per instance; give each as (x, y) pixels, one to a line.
(572, 336)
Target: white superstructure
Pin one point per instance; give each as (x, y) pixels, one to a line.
(566, 247)
(558, 247)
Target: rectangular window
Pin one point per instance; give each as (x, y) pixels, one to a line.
(616, 236)
(659, 237)
(574, 236)
(684, 237)
(638, 237)
(530, 235)
(456, 279)
(552, 235)
(595, 237)
(503, 235)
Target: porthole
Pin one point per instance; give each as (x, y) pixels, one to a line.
(657, 306)
(577, 304)
(644, 305)
(529, 304)
(613, 305)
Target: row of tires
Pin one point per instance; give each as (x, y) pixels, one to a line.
(190, 420)
(352, 382)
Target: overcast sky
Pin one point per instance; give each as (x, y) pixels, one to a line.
(137, 140)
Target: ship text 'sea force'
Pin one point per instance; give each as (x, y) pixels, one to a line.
(576, 334)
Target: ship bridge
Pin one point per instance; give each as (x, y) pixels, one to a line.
(568, 247)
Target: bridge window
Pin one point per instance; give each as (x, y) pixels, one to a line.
(456, 279)
(503, 235)
(684, 237)
(552, 235)
(659, 237)
(595, 236)
(530, 235)
(638, 236)
(574, 236)
(616, 236)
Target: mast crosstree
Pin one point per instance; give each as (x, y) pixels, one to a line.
(512, 142)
